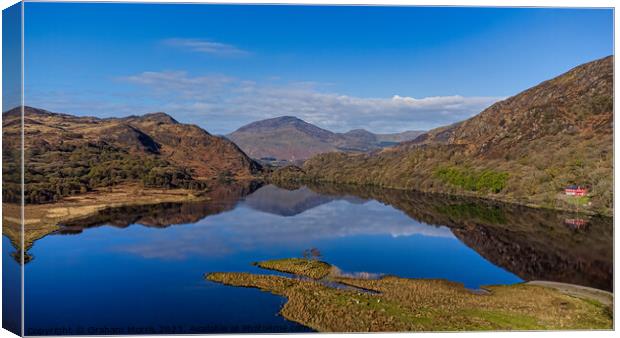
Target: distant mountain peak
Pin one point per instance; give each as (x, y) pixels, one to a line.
(290, 138)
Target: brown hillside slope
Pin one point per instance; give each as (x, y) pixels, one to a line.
(579, 102)
(66, 154)
(191, 146)
(523, 149)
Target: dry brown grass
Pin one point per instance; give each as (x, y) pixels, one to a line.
(404, 304)
(304, 267)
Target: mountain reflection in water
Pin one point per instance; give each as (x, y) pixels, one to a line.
(534, 244)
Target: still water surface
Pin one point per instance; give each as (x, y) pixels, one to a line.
(140, 270)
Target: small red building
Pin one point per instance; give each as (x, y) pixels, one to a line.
(574, 190)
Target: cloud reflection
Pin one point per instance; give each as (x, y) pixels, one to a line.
(244, 229)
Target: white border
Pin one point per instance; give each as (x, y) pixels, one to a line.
(469, 3)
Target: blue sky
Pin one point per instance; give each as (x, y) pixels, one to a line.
(11, 57)
(386, 69)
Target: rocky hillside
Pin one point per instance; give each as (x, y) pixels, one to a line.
(524, 149)
(578, 103)
(288, 138)
(190, 146)
(68, 154)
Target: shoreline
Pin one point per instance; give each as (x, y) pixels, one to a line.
(44, 219)
(408, 304)
(462, 194)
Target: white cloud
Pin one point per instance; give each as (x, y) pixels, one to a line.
(220, 104)
(206, 46)
(227, 103)
(180, 84)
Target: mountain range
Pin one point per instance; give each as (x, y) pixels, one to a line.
(524, 149)
(288, 138)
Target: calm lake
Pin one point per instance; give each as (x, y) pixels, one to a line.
(140, 270)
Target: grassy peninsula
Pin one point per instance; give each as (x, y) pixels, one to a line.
(392, 303)
(43, 219)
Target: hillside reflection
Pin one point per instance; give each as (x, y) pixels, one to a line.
(534, 244)
(221, 199)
